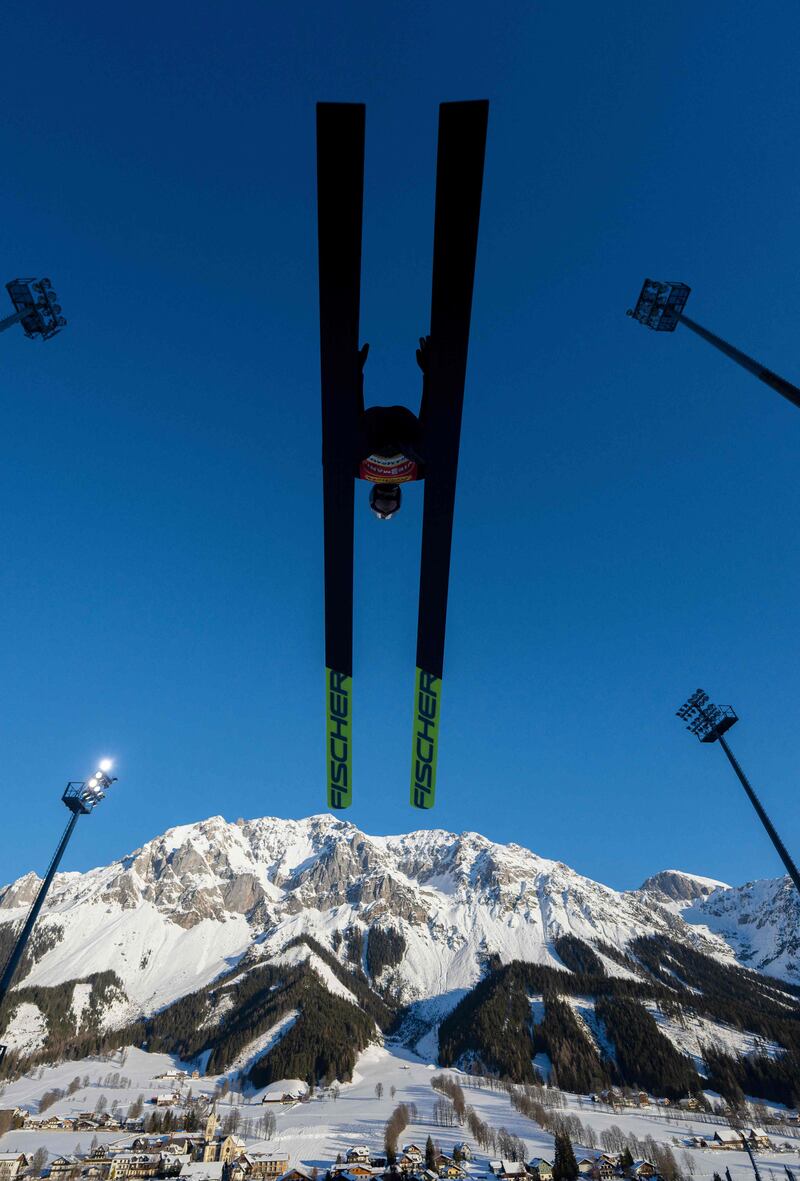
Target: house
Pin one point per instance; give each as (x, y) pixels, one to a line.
(597, 1167)
(511, 1168)
(641, 1168)
(202, 1171)
(757, 1138)
(168, 1099)
(61, 1168)
(96, 1170)
(267, 1164)
(187, 1142)
(448, 1168)
(12, 1164)
(357, 1155)
(298, 1173)
(239, 1169)
(135, 1164)
(413, 1151)
(727, 1138)
(689, 1103)
(540, 1169)
(285, 1091)
(462, 1151)
(97, 1165)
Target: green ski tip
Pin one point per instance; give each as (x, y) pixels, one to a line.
(424, 752)
(338, 706)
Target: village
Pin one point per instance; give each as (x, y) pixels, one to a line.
(212, 1156)
(186, 1126)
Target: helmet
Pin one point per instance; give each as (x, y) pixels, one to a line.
(384, 500)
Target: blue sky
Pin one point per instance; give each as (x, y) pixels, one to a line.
(626, 515)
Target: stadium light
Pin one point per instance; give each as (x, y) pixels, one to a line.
(660, 307)
(81, 796)
(36, 308)
(709, 723)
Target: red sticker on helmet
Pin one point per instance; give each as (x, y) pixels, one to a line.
(395, 469)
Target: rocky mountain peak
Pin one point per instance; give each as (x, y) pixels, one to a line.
(678, 886)
(200, 897)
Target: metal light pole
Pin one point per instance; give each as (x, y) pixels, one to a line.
(660, 307)
(81, 797)
(752, 1160)
(36, 308)
(709, 723)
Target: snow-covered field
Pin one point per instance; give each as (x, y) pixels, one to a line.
(314, 1132)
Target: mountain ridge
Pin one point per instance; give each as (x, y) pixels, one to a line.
(287, 946)
(184, 907)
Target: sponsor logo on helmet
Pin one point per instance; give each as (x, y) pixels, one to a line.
(395, 469)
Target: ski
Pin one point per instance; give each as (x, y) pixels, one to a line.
(459, 181)
(340, 194)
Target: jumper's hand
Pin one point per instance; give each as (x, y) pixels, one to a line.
(422, 353)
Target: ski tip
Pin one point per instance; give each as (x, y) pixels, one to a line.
(338, 750)
(425, 749)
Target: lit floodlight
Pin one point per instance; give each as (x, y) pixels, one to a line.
(81, 798)
(106, 764)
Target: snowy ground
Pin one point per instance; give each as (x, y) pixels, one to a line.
(314, 1132)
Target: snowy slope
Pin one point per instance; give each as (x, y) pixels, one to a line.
(760, 921)
(313, 1133)
(189, 904)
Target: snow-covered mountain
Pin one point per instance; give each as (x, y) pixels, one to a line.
(760, 921)
(188, 905)
(682, 889)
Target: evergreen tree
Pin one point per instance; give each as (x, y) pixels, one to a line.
(565, 1167)
(430, 1155)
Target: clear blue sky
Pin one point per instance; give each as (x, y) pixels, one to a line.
(627, 513)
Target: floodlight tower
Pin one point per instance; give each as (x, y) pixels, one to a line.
(36, 308)
(709, 723)
(81, 796)
(660, 307)
(752, 1160)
